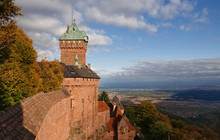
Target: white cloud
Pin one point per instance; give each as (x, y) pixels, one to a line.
(44, 41)
(129, 13)
(185, 28)
(202, 16)
(129, 47)
(49, 18)
(166, 25)
(42, 23)
(205, 70)
(119, 20)
(44, 54)
(46, 21)
(98, 40)
(97, 50)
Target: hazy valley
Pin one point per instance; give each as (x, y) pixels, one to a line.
(200, 106)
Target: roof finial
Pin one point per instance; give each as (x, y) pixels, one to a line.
(72, 14)
(73, 20)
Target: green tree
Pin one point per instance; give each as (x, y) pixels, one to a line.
(130, 113)
(104, 97)
(147, 113)
(178, 123)
(51, 75)
(159, 131)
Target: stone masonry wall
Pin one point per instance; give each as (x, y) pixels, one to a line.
(70, 48)
(56, 123)
(84, 95)
(64, 114)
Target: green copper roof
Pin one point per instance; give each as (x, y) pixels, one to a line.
(74, 34)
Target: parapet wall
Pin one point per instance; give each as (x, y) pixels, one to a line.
(72, 113)
(25, 120)
(56, 123)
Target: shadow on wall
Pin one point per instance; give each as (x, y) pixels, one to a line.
(11, 124)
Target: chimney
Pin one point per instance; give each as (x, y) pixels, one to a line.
(114, 106)
(89, 65)
(67, 29)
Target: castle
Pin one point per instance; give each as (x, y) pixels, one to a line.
(73, 112)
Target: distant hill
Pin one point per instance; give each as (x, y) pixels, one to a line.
(175, 84)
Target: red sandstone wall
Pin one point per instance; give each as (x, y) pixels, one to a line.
(124, 133)
(110, 136)
(78, 111)
(84, 93)
(56, 123)
(69, 49)
(123, 130)
(103, 117)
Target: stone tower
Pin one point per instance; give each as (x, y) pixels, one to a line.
(73, 45)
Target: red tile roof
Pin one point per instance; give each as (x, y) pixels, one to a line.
(118, 112)
(130, 127)
(111, 126)
(102, 106)
(112, 123)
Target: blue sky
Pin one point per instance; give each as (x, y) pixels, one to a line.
(137, 39)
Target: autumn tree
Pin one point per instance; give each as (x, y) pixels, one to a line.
(147, 113)
(51, 75)
(8, 11)
(104, 97)
(193, 132)
(8, 27)
(19, 71)
(19, 77)
(178, 123)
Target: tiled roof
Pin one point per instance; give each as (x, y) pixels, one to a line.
(118, 112)
(111, 125)
(130, 127)
(102, 106)
(71, 71)
(113, 122)
(23, 120)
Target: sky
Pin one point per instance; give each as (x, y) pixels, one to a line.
(142, 41)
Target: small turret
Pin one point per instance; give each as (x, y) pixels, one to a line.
(76, 60)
